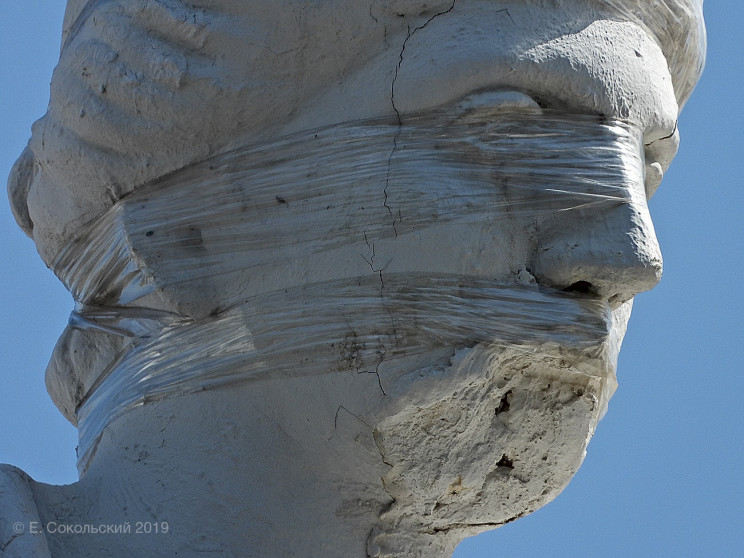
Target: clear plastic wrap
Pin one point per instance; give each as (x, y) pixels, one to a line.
(219, 271)
(434, 169)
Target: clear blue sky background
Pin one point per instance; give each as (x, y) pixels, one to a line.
(664, 475)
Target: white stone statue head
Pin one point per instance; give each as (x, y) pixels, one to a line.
(413, 230)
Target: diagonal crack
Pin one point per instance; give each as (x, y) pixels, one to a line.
(371, 262)
(409, 34)
(403, 50)
(13, 537)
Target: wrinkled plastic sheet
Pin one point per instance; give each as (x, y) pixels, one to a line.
(198, 239)
(384, 179)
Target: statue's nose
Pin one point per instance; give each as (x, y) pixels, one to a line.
(610, 251)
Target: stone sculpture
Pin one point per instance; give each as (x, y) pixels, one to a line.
(351, 276)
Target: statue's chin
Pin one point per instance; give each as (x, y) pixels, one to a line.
(491, 437)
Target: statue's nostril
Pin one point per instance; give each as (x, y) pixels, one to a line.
(583, 287)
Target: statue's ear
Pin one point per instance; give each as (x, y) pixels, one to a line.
(19, 182)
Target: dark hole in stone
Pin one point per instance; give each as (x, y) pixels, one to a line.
(582, 287)
(505, 462)
(504, 404)
(149, 233)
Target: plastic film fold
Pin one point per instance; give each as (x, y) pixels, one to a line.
(303, 247)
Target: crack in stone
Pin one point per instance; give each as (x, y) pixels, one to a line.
(505, 10)
(387, 183)
(352, 353)
(377, 373)
(410, 33)
(377, 437)
(403, 49)
(377, 530)
(371, 262)
(360, 419)
(674, 131)
(435, 530)
(12, 538)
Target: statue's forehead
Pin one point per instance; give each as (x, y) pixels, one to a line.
(677, 25)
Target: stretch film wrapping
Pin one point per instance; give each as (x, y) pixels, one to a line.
(312, 250)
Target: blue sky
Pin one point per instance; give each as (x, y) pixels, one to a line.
(663, 474)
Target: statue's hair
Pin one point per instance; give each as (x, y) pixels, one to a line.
(679, 28)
